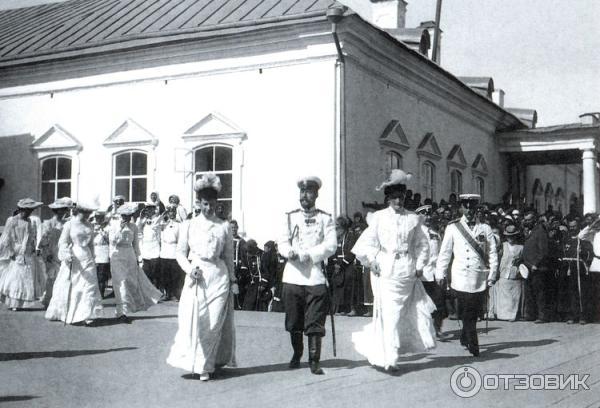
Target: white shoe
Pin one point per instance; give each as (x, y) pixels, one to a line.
(204, 377)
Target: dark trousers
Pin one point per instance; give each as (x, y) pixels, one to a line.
(256, 298)
(366, 284)
(469, 305)
(172, 277)
(594, 293)
(151, 268)
(306, 308)
(103, 274)
(436, 293)
(535, 292)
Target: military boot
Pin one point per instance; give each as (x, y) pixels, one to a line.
(314, 354)
(298, 346)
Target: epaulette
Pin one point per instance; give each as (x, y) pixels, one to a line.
(322, 212)
(294, 211)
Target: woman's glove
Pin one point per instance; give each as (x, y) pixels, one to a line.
(235, 288)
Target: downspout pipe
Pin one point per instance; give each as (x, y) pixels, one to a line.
(335, 14)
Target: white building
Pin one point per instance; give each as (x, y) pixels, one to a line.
(100, 97)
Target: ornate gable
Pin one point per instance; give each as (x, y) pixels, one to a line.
(130, 134)
(56, 139)
(393, 136)
(214, 126)
(479, 165)
(429, 147)
(456, 157)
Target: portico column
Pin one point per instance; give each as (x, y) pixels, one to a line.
(589, 181)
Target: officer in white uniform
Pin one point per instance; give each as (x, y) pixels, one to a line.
(307, 240)
(473, 268)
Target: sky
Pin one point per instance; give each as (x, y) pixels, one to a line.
(545, 54)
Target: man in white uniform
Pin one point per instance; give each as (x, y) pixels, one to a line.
(474, 266)
(308, 239)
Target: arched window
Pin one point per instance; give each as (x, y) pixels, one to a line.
(456, 185)
(428, 179)
(218, 159)
(393, 161)
(480, 187)
(130, 175)
(56, 181)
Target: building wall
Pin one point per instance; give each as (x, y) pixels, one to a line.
(286, 112)
(559, 185)
(391, 101)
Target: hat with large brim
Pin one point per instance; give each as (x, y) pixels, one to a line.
(86, 207)
(64, 202)
(395, 183)
(29, 203)
(127, 209)
(511, 231)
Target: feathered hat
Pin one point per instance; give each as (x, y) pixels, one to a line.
(395, 183)
(208, 185)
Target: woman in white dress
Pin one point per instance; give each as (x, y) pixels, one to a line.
(20, 283)
(133, 291)
(75, 295)
(396, 249)
(205, 339)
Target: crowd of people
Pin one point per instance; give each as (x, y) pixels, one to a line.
(408, 265)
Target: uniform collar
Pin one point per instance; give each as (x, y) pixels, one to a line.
(310, 212)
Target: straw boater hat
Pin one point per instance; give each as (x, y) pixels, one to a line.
(511, 231)
(395, 183)
(127, 209)
(64, 202)
(87, 206)
(29, 203)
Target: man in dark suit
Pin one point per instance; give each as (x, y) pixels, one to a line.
(535, 257)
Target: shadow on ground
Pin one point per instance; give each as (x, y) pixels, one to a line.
(14, 398)
(29, 355)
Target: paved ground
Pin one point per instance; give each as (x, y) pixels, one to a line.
(45, 364)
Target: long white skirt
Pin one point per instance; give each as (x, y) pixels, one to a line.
(133, 291)
(401, 322)
(205, 338)
(507, 295)
(75, 294)
(20, 285)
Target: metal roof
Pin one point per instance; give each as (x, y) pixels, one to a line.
(77, 24)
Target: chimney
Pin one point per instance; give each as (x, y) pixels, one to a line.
(498, 97)
(389, 13)
(430, 26)
(590, 118)
(385, 14)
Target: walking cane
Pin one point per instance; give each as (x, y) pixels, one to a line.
(69, 291)
(195, 324)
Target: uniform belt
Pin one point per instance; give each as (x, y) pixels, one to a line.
(397, 254)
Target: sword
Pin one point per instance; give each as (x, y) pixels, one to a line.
(330, 310)
(195, 325)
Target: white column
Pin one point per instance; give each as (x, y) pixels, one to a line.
(589, 181)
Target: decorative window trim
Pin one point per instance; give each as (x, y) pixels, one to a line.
(58, 142)
(456, 158)
(429, 148)
(393, 136)
(214, 129)
(422, 178)
(462, 181)
(479, 166)
(130, 136)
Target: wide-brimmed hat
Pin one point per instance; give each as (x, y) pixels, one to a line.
(511, 230)
(395, 183)
(127, 209)
(64, 202)
(86, 206)
(29, 203)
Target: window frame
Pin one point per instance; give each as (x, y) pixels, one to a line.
(460, 180)
(131, 176)
(424, 181)
(231, 171)
(56, 180)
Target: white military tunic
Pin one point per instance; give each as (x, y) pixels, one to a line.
(309, 233)
(469, 272)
